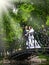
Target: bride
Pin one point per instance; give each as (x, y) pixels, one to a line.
(32, 42)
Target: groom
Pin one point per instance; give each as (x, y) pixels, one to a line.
(26, 36)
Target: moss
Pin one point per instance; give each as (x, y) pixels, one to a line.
(1, 64)
(1, 57)
(45, 64)
(44, 56)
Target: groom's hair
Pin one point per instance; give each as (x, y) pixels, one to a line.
(26, 27)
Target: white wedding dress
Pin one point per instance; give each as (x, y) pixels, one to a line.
(32, 43)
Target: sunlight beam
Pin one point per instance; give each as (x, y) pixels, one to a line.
(4, 5)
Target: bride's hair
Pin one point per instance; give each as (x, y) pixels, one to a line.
(30, 27)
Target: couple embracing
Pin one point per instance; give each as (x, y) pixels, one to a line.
(29, 36)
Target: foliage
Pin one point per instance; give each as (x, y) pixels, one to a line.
(13, 30)
(24, 12)
(47, 22)
(34, 13)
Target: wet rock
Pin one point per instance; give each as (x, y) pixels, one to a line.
(37, 60)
